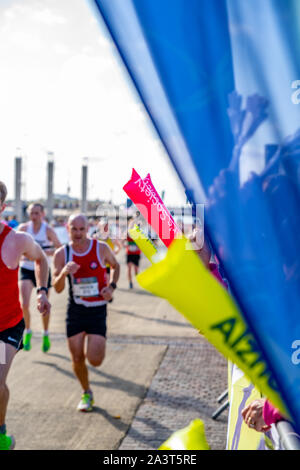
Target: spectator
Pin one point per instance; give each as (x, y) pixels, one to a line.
(260, 415)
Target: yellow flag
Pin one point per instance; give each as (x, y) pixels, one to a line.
(183, 280)
(190, 438)
(143, 242)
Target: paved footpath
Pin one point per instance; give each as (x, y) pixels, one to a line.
(158, 375)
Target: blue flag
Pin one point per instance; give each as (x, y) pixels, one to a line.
(220, 81)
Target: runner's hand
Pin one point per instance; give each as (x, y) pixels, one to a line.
(71, 267)
(107, 292)
(43, 305)
(253, 416)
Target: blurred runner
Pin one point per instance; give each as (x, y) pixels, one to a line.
(12, 246)
(83, 261)
(103, 235)
(133, 253)
(46, 237)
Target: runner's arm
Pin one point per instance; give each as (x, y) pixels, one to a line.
(33, 252)
(109, 258)
(54, 239)
(59, 273)
(62, 270)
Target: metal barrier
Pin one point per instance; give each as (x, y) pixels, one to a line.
(290, 440)
(223, 407)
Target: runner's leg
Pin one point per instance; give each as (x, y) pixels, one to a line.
(95, 349)
(129, 267)
(46, 343)
(10, 352)
(129, 273)
(136, 269)
(25, 287)
(46, 318)
(76, 347)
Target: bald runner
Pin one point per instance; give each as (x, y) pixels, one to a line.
(83, 261)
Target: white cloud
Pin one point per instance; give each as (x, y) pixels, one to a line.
(33, 11)
(27, 41)
(48, 17)
(61, 49)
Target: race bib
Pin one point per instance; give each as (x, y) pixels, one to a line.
(86, 287)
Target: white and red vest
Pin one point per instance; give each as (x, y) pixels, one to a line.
(132, 248)
(41, 238)
(87, 283)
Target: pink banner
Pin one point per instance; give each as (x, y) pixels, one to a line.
(148, 202)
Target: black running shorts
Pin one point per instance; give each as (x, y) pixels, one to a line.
(14, 335)
(91, 320)
(28, 274)
(135, 259)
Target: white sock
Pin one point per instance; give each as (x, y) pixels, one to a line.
(27, 330)
(46, 332)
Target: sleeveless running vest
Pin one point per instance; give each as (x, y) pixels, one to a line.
(10, 309)
(109, 242)
(132, 248)
(41, 238)
(86, 284)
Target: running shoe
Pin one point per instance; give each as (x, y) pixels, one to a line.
(86, 402)
(130, 285)
(46, 344)
(27, 341)
(7, 442)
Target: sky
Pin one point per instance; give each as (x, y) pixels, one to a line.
(63, 89)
